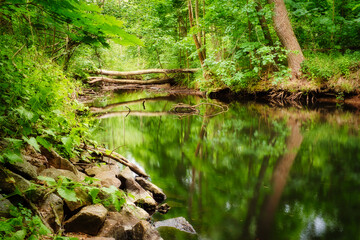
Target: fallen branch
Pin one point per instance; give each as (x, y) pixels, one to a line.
(128, 81)
(146, 71)
(119, 158)
(133, 113)
(142, 100)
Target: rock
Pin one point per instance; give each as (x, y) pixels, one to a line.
(34, 158)
(100, 238)
(163, 208)
(55, 173)
(107, 180)
(107, 174)
(113, 168)
(157, 193)
(179, 223)
(141, 197)
(119, 224)
(5, 205)
(89, 220)
(56, 161)
(25, 169)
(52, 211)
(144, 231)
(138, 212)
(9, 180)
(83, 200)
(112, 228)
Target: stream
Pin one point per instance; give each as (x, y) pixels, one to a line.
(244, 170)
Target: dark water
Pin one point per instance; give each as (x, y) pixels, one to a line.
(251, 172)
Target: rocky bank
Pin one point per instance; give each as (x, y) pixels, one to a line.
(115, 203)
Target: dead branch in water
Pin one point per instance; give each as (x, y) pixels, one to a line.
(182, 109)
(141, 100)
(133, 113)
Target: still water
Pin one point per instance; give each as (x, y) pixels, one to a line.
(245, 170)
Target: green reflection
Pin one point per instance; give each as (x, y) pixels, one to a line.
(253, 172)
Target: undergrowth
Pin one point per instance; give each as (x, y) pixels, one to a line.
(39, 104)
(325, 67)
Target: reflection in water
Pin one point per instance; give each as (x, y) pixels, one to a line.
(254, 172)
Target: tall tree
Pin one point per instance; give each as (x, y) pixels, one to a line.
(287, 37)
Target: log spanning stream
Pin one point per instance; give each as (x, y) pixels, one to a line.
(244, 170)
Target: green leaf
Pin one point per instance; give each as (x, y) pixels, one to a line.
(49, 181)
(19, 235)
(93, 192)
(16, 143)
(42, 229)
(25, 113)
(13, 157)
(90, 180)
(68, 194)
(32, 142)
(43, 142)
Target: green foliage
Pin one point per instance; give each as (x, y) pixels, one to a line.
(22, 225)
(321, 67)
(326, 24)
(66, 188)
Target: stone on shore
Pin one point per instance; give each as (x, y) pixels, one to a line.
(52, 211)
(144, 231)
(179, 223)
(89, 220)
(107, 174)
(5, 205)
(157, 193)
(25, 169)
(139, 196)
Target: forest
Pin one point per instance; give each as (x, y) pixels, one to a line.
(50, 51)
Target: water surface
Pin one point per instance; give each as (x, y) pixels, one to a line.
(251, 171)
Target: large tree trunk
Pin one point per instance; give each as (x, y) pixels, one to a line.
(287, 37)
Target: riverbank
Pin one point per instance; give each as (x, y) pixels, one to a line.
(267, 93)
(94, 196)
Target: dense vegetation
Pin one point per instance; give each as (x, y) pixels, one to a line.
(238, 40)
(47, 47)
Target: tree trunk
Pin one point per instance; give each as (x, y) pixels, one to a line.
(196, 40)
(287, 37)
(263, 24)
(146, 71)
(129, 81)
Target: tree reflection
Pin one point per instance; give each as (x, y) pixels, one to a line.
(252, 172)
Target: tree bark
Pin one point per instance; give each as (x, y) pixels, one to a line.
(287, 37)
(128, 81)
(196, 40)
(146, 71)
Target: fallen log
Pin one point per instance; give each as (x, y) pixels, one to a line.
(128, 81)
(117, 157)
(146, 71)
